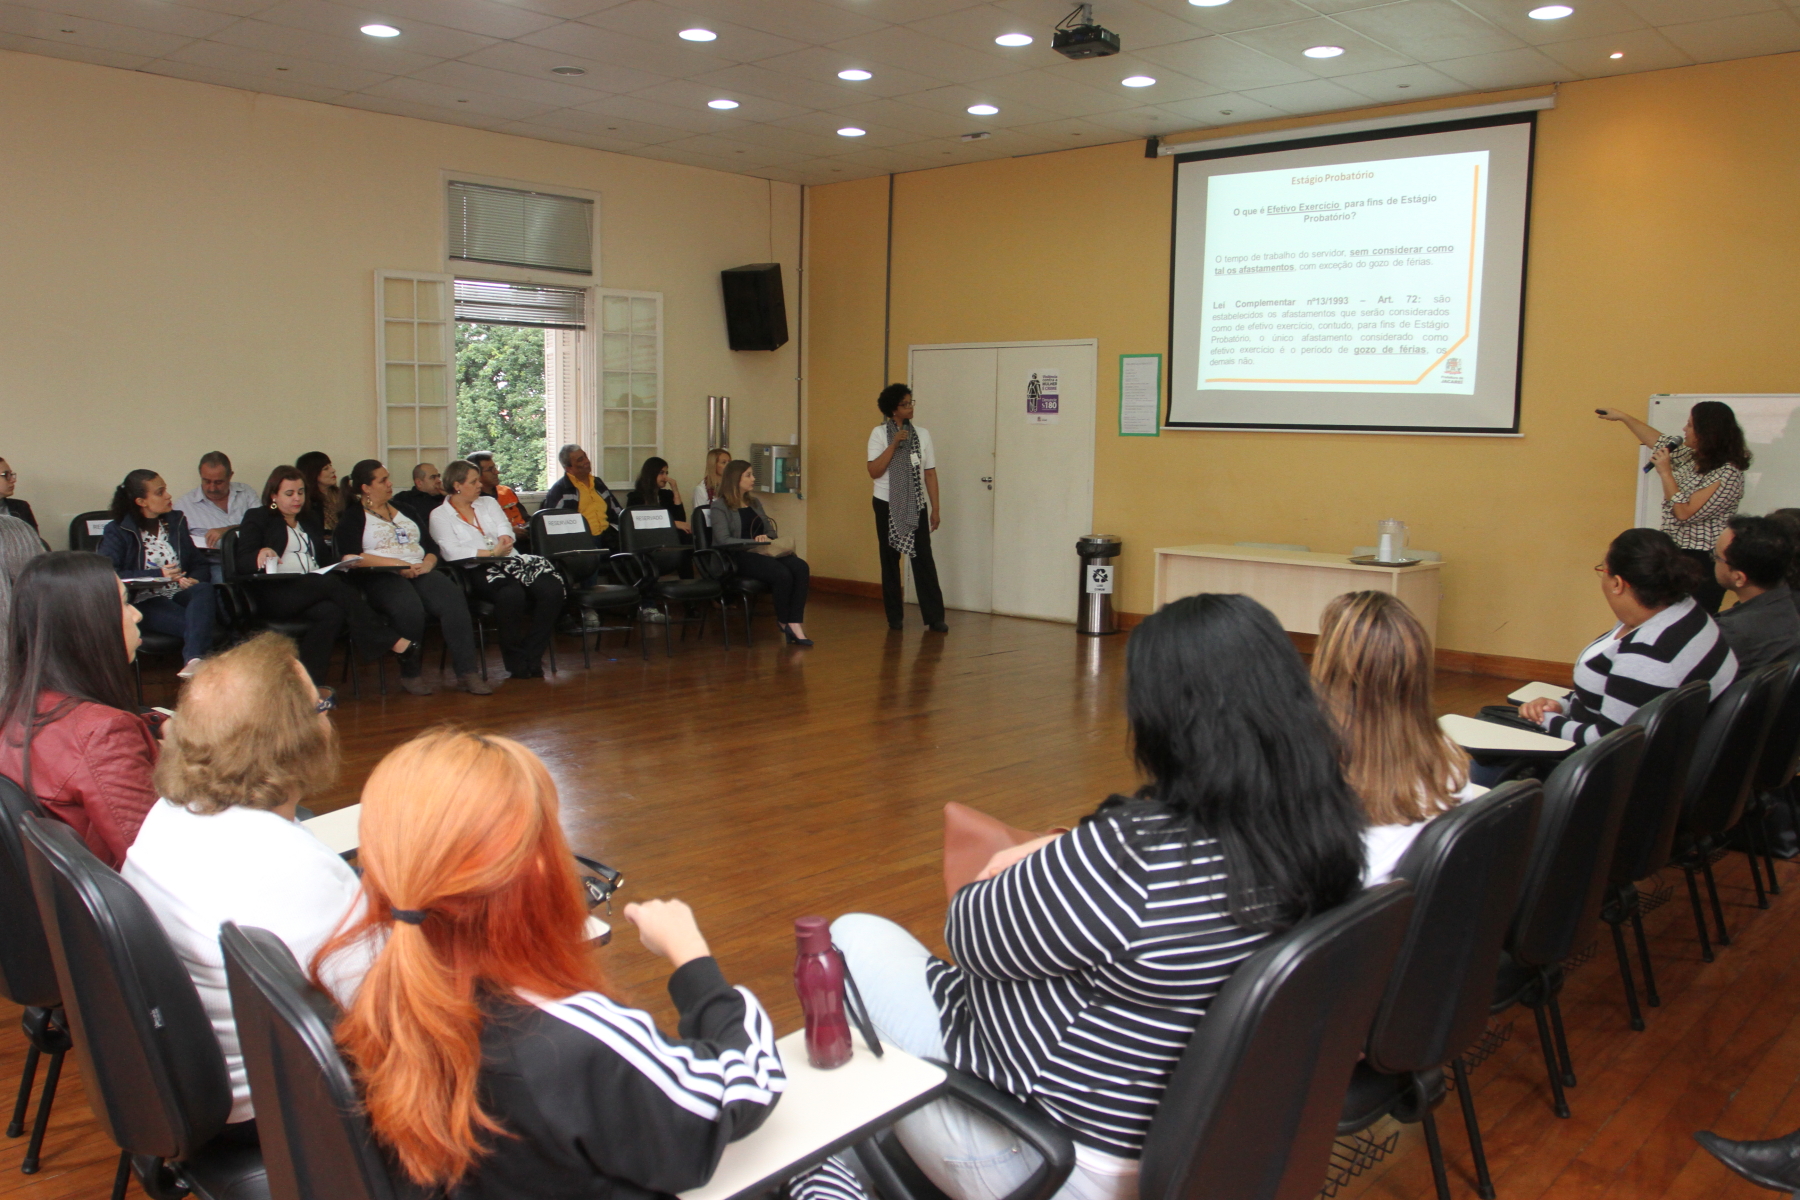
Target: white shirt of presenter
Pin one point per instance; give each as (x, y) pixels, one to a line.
(878, 444)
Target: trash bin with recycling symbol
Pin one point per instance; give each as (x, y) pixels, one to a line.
(1097, 552)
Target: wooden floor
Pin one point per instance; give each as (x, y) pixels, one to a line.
(764, 784)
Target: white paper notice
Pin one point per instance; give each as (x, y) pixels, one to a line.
(1043, 399)
(1140, 394)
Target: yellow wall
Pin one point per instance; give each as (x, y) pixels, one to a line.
(191, 267)
(1664, 252)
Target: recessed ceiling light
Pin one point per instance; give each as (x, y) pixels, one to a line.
(568, 70)
(855, 75)
(1013, 39)
(381, 31)
(1137, 81)
(1617, 54)
(1550, 12)
(851, 131)
(982, 110)
(697, 35)
(1322, 51)
(721, 104)
(1208, 3)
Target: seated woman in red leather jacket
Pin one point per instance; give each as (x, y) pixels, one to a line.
(70, 732)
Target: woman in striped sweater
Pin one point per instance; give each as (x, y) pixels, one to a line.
(1085, 961)
(1662, 640)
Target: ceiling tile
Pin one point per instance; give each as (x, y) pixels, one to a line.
(1645, 50)
(1072, 132)
(67, 49)
(417, 36)
(1058, 94)
(896, 160)
(896, 11)
(827, 125)
(906, 116)
(781, 138)
(1399, 84)
(914, 51)
(299, 43)
(485, 17)
(1737, 37)
(568, 10)
(276, 69)
(955, 99)
(1286, 42)
(660, 22)
(604, 125)
(757, 79)
(458, 100)
(1509, 68)
(809, 21)
(1226, 64)
(137, 14)
(742, 154)
(1247, 14)
(1429, 29)
(535, 62)
(549, 90)
(242, 80)
(976, 27)
(1138, 24)
(1592, 18)
(571, 137)
(654, 112)
(1673, 12)
(1108, 76)
(1149, 120)
(686, 93)
(86, 31)
(687, 158)
(231, 8)
(1232, 108)
(424, 112)
(671, 58)
(1313, 96)
(820, 64)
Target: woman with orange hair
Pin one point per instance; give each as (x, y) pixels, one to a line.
(492, 1061)
(1372, 669)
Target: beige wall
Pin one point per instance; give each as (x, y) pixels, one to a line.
(190, 267)
(1663, 257)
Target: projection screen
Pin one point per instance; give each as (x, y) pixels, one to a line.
(1371, 282)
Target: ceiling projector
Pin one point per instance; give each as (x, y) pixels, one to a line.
(1078, 37)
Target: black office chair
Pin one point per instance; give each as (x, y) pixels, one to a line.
(719, 566)
(1775, 768)
(563, 538)
(155, 1075)
(27, 975)
(484, 616)
(655, 550)
(1584, 799)
(1647, 830)
(315, 1137)
(1466, 868)
(245, 591)
(1718, 783)
(84, 530)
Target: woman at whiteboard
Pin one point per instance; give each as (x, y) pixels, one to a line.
(1702, 474)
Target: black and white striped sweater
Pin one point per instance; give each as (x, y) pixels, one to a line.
(1614, 677)
(1082, 971)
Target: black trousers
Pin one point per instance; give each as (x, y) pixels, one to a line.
(405, 602)
(788, 579)
(925, 580)
(527, 618)
(327, 603)
(1709, 595)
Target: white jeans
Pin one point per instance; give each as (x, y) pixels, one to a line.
(966, 1155)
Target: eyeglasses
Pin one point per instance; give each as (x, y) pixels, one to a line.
(8, 476)
(1717, 557)
(327, 700)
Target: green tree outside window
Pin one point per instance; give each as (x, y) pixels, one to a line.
(500, 399)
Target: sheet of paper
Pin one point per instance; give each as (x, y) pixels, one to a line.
(1537, 691)
(1140, 395)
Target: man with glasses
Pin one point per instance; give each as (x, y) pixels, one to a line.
(216, 507)
(9, 506)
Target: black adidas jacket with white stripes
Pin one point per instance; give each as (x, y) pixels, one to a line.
(596, 1103)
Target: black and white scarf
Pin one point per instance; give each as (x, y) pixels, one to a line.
(903, 490)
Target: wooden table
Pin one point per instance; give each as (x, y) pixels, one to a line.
(821, 1113)
(1294, 585)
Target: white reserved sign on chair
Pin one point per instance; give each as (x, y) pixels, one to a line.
(560, 523)
(647, 518)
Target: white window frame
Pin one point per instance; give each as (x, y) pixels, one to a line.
(448, 360)
(598, 361)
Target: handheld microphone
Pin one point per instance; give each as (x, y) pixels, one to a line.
(1649, 467)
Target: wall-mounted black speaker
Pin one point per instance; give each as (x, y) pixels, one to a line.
(755, 310)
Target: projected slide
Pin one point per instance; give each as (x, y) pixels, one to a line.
(1370, 284)
(1363, 277)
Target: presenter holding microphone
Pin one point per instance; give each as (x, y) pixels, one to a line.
(1702, 474)
(905, 471)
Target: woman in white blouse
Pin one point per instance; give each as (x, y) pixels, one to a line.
(385, 536)
(525, 590)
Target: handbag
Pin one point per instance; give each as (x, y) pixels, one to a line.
(779, 547)
(971, 838)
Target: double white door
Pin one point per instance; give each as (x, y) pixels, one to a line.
(1016, 480)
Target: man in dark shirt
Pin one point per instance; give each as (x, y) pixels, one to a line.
(425, 494)
(1751, 559)
(11, 507)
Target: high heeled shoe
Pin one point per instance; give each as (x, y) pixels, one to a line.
(789, 635)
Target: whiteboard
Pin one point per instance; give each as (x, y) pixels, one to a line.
(1773, 434)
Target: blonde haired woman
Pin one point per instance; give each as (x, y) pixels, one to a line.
(739, 527)
(492, 1060)
(1372, 668)
(707, 490)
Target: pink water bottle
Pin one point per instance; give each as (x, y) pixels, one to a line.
(819, 979)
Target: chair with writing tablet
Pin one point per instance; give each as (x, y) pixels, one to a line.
(562, 537)
(652, 541)
(243, 591)
(738, 587)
